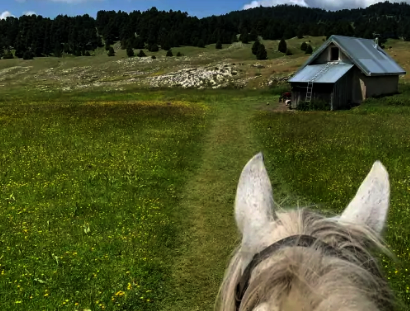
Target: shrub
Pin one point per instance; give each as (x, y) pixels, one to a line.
(130, 51)
(111, 51)
(303, 46)
(169, 53)
(153, 48)
(309, 49)
(179, 54)
(27, 55)
(261, 54)
(218, 45)
(288, 52)
(255, 47)
(282, 46)
(8, 55)
(153, 57)
(141, 54)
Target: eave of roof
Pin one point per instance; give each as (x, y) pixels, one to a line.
(333, 39)
(331, 75)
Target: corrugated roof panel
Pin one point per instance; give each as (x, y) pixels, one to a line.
(366, 54)
(332, 75)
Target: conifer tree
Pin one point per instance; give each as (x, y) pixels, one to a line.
(282, 46)
(130, 51)
(255, 47)
(261, 54)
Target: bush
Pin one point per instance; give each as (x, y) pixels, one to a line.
(282, 46)
(255, 47)
(309, 49)
(27, 55)
(179, 54)
(303, 46)
(111, 51)
(153, 48)
(278, 89)
(8, 55)
(130, 51)
(261, 54)
(169, 53)
(288, 52)
(218, 45)
(87, 53)
(314, 104)
(165, 46)
(141, 54)
(153, 57)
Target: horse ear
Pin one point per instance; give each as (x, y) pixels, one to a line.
(370, 205)
(254, 199)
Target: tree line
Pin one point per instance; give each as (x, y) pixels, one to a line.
(37, 36)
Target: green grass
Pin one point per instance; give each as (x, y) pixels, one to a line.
(102, 192)
(322, 157)
(88, 191)
(105, 199)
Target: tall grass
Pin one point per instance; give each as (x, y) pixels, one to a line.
(87, 197)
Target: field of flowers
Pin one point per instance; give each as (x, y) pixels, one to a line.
(87, 190)
(322, 157)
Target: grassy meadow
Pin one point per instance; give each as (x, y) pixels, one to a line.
(87, 190)
(122, 199)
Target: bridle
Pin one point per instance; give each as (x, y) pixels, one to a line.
(292, 241)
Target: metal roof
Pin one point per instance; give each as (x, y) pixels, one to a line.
(334, 73)
(364, 53)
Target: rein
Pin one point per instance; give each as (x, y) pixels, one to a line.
(294, 240)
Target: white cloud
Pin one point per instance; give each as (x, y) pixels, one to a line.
(324, 4)
(255, 4)
(5, 14)
(28, 13)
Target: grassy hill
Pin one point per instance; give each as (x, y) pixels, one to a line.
(120, 72)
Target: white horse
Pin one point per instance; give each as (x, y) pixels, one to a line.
(298, 260)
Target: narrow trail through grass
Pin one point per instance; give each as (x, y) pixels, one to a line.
(207, 210)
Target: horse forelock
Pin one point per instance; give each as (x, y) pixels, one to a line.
(303, 278)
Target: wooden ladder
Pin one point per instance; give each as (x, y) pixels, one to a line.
(309, 90)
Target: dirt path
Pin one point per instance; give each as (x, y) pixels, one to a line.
(209, 202)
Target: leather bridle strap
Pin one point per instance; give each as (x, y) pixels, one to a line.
(294, 240)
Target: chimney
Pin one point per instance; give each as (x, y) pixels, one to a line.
(376, 42)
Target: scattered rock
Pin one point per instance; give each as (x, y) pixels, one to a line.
(258, 65)
(212, 76)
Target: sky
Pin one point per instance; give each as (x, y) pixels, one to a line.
(52, 8)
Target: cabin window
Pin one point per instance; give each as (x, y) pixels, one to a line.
(334, 53)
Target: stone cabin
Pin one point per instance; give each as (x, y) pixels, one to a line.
(345, 71)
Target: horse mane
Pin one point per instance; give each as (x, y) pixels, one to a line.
(303, 278)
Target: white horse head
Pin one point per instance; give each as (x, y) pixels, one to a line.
(300, 260)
